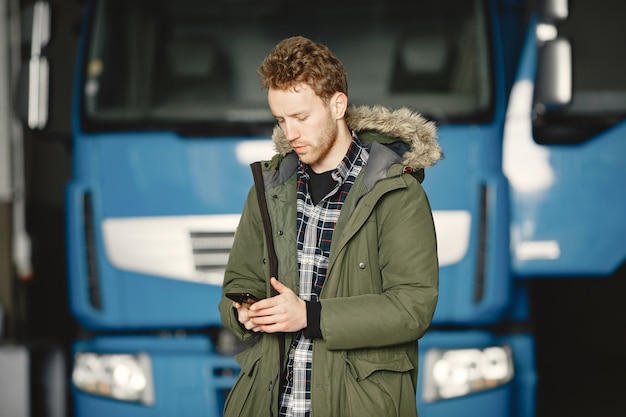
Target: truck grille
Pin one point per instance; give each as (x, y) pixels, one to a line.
(211, 250)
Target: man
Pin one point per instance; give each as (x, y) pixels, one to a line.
(353, 232)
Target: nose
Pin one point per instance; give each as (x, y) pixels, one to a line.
(291, 131)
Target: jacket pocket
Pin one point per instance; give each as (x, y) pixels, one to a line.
(378, 383)
(245, 398)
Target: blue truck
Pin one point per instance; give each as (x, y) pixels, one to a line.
(168, 114)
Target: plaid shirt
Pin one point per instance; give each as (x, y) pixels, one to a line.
(315, 231)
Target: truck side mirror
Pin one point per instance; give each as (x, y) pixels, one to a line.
(554, 11)
(553, 89)
(34, 85)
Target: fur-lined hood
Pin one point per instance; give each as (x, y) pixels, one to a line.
(413, 129)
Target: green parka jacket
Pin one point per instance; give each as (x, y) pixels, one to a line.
(381, 288)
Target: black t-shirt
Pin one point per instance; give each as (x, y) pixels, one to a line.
(321, 184)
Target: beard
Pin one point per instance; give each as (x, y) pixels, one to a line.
(323, 145)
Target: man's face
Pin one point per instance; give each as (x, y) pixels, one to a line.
(307, 122)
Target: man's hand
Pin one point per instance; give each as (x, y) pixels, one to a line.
(285, 312)
(243, 317)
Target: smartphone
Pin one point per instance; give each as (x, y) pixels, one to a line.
(243, 297)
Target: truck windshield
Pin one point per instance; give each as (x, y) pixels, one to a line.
(190, 65)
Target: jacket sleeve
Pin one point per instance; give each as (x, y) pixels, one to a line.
(245, 270)
(404, 283)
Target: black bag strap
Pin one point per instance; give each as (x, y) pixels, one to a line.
(259, 186)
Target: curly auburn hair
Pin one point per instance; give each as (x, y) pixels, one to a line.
(298, 60)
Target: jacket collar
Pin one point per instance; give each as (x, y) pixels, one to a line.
(417, 136)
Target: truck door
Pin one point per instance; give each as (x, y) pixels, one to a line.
(565, 163)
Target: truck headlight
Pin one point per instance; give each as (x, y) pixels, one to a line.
(457, 372)
(121, 376)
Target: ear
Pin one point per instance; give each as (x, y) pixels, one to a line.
(339, 104)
